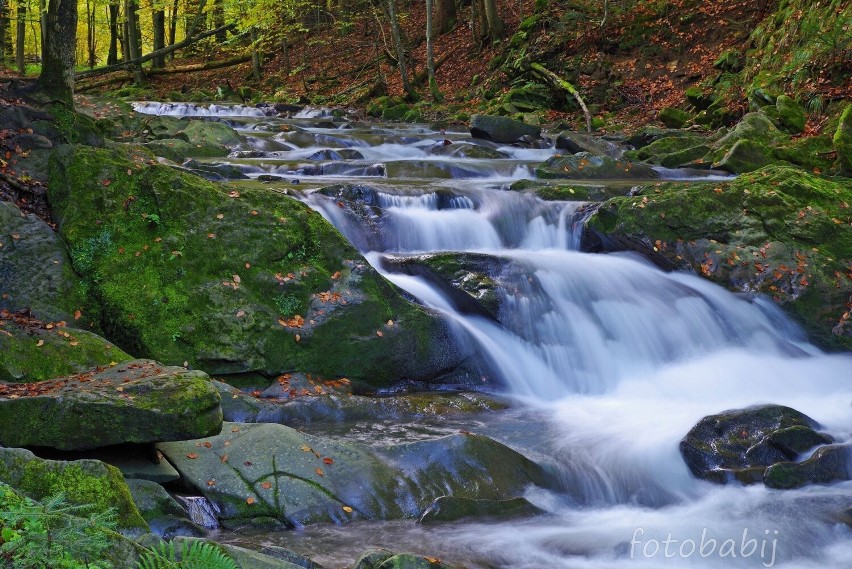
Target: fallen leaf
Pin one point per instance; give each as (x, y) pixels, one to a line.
(250, 500)
(77, 314)
(241, 313)
(220, 216)
(379, 333)
(106, 182)
(223, 458)
(306, 448)
(192, 456)
(320, 472)
(207, 444)
(266, 485)
(211, 482)
(298, 338)
(328, 460)
(347, 509)
(40, 343)
(235, 429)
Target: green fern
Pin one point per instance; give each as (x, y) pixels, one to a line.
(191, 555)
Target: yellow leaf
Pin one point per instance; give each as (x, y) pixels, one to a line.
(40, 343)
(347, 509)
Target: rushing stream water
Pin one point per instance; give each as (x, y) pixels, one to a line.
(609, 362)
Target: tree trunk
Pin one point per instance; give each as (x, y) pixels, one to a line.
(173, 23)
(59, 55)
(112, 54)
(42, 20)
(194, 20)
(158, 19)
(21, 37)
(90, 33)
(219, 20)
(430, 54)
(445, 15)
(400, 51)
(285, 54)
(256, 60)
(4, 29)
(495, 24)
(132, 40)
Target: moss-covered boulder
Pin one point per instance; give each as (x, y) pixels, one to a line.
(35, 271)
(674, 118)
(32, 350)
(273, 471)
(583, 192)
(234, 280)
(843, 142)
(412, 561)
(501, 129)
(813, 153)
(584, 166)
(574, 142)
(451, 508)
(778, 230)
(270, 557)
(831, 463)
(88, 483)
(791, 114)
(140, 401)
(756, 127)
(671, 151)
(741, 443)
(745, 156)
(463, 150)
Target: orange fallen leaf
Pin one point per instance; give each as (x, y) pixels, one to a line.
(266, 485)
(207, 444)
(192, 456)
(211, 482)
(106, 182)
(235, 429)
(306, 448)
(77, 314)
(250, 500)
(320, 472)
(328, 460)
(224, 458)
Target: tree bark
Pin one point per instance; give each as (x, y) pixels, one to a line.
(158, 19)
(132, 40)
(21, 37)
(90, 33)
(563, 85)
(495, 24)
(445, 15)
(256, 59)
(4, 27)
(173, 23)
(430, 54)
(59, 54)
(112, 54)
(219, 20)
(400, 51)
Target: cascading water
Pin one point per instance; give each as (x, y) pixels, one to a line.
(612, 362)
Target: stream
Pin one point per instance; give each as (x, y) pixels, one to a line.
(607, 362)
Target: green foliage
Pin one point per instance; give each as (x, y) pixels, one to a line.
(190, 555)
(52, 533)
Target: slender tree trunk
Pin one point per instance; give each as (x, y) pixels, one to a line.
(285, 54)
(219, 20)
(4, 28)
(445, 15)
(158, 19)
(400, 51)
(42, 21)
(132, 40)
(256, 58)
(495, 24)
(59, 54)
(194, 20)
(112, 54)
(21, 37)
(430, 53)
(90, 33)
(173, 27)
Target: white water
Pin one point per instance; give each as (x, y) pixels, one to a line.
(611, 361)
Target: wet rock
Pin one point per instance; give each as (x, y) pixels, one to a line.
(35, 271)
(412, 561)
(215, 171)
(674, 118)
(83, 482)
(136, 402)
(372, 559)
(584, 166)
(273, 471)
(575, 142)
(832, 463)
(745, 156)
(500, 129)
(462, 150)
(164, 515)
(449, 508)
(760, 436)
(243, 557)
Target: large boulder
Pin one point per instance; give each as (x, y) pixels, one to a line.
(35, 271)
(272, 471)
(137, 402)
(501, 129)
(90, 483)
(584, 166)
(34, 350)
(742, 443)
(575, 142)
(791, 114)
(778, 230)
(164, 515)
(235, 280)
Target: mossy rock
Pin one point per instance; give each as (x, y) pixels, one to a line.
(412, 561)
(244, 558)
(449, 508)
(273, 471)
(831, 463)
(396, 113)
(164, 515)
(88, 483)
(843, 143)
(756, 127)
(501, 129)
(584, 166)
(811, 153)
(674, 118)
(136, 402)
(791, 114)
(35, 271)
(30, 351)
(745, 156)
(165, 254)
(573, 192)
(778, 230)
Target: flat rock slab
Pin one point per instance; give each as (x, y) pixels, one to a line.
(140, 401)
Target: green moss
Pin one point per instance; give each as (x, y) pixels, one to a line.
(843, 142)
